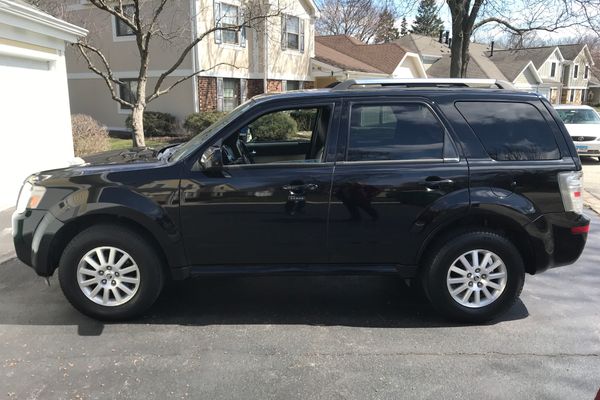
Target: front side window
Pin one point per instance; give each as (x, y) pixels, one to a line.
(394, 132)
(572, 95)
(228, 18)
(511, 131)
(231, 94)
(576, 71)
(553, 70)
(292, 32)
(586, 74)
(122, 29)
(295, 135)
(128, 91)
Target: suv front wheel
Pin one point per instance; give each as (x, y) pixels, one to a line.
(110, 272)
(474, 277)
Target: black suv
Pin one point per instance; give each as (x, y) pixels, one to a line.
(462, 185)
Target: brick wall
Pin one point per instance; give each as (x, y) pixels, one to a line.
(274, 86)
(255, 86)
(207, 93)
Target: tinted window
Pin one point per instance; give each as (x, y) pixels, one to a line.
(394, 132)
(511, 131)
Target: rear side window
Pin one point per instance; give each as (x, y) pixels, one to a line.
(394, 132)
(511, 131)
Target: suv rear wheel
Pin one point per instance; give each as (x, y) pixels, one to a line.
(474, 277)
(110, 272)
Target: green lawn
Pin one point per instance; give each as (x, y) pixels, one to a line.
(117, 144)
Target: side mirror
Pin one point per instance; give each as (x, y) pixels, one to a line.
(212, 158)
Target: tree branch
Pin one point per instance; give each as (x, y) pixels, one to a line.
(108, 76)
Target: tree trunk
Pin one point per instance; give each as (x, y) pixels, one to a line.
(137, 120)
(464, 60)
(457, 43)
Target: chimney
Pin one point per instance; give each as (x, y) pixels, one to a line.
(447, 40)
(441, 35)
(492, 49)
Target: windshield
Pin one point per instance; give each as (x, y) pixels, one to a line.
(578, 116)
(191, 145)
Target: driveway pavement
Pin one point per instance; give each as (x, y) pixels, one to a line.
(303, 338)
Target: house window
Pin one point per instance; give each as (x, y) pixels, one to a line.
(586, 74)
(231, 93)
(576, 71)
(571, 95)
(229, 18)
(292, 33)
(553, 70)
(127, 92)
(292, 85)
(121, 28)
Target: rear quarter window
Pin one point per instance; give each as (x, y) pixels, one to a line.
(511, 131)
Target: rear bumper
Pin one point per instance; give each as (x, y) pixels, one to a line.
(558, 239)
(33, 232)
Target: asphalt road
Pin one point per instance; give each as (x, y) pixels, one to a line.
(304, 338)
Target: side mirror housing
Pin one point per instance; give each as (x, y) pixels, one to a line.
(212, 158)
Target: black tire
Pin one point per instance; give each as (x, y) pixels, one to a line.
(435, 272)
(148, 263)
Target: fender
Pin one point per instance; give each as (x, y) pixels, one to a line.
(161, 220)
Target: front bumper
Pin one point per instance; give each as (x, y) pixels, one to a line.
(591, 148)
(556, 239)
(33, 232)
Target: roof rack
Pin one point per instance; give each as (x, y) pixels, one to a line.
(425, 83)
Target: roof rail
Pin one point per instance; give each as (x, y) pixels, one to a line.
(426, 83)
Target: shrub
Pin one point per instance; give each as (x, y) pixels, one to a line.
(197, 122)
(156, 124)
(304, 118)
(274, 126)
(88, 135)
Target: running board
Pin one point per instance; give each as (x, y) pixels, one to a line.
(401, 271)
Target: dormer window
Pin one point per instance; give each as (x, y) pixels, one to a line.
(576, 71)
(586, 74)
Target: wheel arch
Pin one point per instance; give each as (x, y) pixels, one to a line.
(75, 226)
(508, 226)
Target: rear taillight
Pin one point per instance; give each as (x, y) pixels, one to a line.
(571, 190)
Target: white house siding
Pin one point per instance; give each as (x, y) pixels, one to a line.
(35, 127)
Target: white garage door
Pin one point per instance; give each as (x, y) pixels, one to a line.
(35, 127)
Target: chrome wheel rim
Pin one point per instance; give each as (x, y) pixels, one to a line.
(477, 278)
(108, 276)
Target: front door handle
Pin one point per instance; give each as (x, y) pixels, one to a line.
(436, 182)
(309, 187)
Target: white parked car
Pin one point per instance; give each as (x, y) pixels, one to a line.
(583, 124)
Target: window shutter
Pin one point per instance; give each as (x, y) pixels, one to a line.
(283, 32)
(217, 12)
(241, 22)
(219, 94)
(243, 90)
(301, 36)
(284, 85)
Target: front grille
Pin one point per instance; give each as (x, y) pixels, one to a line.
(583, 138)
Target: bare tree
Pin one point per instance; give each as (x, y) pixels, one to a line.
(517, 16)
(143, 20)
(356, 18)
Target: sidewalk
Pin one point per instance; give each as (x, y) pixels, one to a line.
(7, 251)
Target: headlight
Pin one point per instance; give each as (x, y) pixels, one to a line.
(29, 197)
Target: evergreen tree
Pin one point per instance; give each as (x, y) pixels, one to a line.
(403, 27)
(427, 22)
(386, 31)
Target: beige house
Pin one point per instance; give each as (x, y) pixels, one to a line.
(340, 57)
(576, 73)
(234, 65)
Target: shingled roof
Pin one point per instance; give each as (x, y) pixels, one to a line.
(349, 53)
